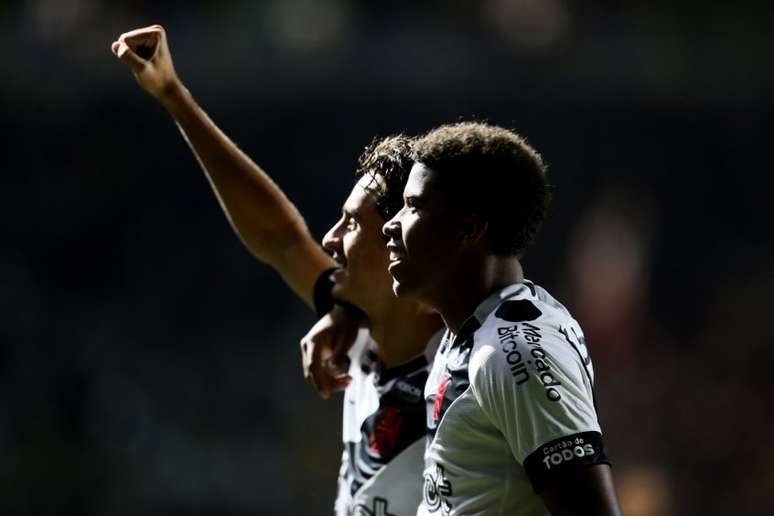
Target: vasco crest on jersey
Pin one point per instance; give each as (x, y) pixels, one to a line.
(452, 384)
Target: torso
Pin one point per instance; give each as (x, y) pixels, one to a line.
(509, 403)
(383, 433)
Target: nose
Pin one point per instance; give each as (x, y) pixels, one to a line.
(391, 228)
(332, 239)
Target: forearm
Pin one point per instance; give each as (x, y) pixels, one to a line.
(266, 221)
(268, 224)
(589, 492)
(257, 209)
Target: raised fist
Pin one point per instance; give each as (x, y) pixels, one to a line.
(147, 54)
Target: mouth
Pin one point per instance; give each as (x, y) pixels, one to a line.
(396, 256)
(340, 260)
(338, 275)
(396, 251)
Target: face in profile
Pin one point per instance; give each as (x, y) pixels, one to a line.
(424, 239)
(358, 246)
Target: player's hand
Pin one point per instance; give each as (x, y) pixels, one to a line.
(324, 351)
(146, 53)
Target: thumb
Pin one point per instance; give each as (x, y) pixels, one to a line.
(127, 55)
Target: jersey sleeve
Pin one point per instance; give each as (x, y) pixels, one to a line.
(535, 387)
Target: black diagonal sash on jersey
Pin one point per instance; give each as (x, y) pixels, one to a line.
(397, 423)
(455, 380)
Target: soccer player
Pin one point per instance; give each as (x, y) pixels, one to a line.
(511, 410)
(384, 409)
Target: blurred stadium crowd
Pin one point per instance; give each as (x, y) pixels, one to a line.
(148, 365)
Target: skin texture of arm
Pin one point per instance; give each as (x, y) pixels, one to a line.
(587, 492)
(268, 224)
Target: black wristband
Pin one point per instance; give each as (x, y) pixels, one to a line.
(323, 297)
(323, 300)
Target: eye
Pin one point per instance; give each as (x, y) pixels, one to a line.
(351, 224)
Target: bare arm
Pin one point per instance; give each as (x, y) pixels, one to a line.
(585, 492)
(268, 224)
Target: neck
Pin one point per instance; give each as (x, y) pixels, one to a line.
(481, 280)
(402, 330)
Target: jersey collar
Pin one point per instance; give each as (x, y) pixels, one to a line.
(384, 375)
(486, 307)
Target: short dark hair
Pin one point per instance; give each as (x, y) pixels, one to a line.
(494, 173)
(390, 159)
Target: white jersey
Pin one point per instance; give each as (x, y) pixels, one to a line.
(510, 404)
(384, 432)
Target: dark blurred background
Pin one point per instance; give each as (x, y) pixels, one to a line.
(149, 365)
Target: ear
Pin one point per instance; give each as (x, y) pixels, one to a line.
(473, 230)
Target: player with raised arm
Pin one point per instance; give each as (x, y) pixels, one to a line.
(384, 410)
(511, 413)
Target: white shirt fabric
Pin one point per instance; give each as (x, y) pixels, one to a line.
(384, 429)
(510, 403)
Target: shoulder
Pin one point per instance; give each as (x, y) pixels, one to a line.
(528, 376)
(524, 342)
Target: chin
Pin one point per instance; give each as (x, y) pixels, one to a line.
(401, 289)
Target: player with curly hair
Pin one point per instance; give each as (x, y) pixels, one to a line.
(512, 418)
(384, 410)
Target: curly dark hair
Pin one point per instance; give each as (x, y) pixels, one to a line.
(388, 162)
(495, 174)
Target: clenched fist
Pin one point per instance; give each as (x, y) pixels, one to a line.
(147, 54)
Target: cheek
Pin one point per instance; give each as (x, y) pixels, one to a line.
(377, 252)
(416, 236)
(363, 249)
(349, 246)
(429, 239)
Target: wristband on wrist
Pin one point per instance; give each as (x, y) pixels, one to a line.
(324, 300)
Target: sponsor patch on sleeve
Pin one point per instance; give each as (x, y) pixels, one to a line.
(561, 456)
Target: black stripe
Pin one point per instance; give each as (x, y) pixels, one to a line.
(467, 330)
(398, 422)
(405, 369)
(555, 461)
(566, 335)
